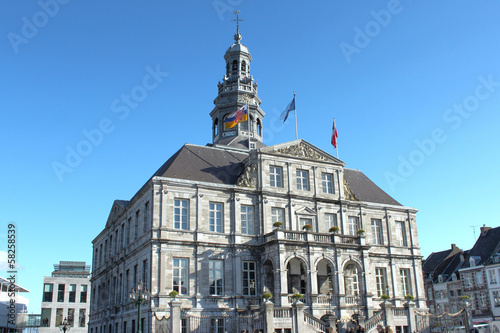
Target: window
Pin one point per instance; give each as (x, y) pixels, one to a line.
(60, 293)
(304, 221)
(134, 282)
(146, 216)
(302, 180)
(128, 231)
(483, 302)
(46, 314)
(83, 293)
(48, 289)
(278, 215)
(71, 317)
(352, 225)
(405, 281)
(377, 231)
(330, 221)
(496, 298)
(216, 277)
(144, 272)
(217, 325)
(127, 275)
(351, 280)
(116, 241)
(181, 214)
(180, 276)
(479, 278)
(247, 224)
(468, 280)
(72, 293)
(59, 316)
(401, 233)
(249, 278)
(184, 325)
(276, 176)
(136, 226)
(215, 217)
(381, 281)
(243, 66)
(327, 182)
(493, 277)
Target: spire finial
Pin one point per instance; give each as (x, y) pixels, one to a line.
(237, 37)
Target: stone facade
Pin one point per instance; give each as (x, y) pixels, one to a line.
(224, 223)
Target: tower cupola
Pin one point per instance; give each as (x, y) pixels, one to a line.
(237, 89)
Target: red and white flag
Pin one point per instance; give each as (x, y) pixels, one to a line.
(334, 135)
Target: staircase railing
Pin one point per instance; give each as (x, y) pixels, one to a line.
(315, 322)
(374, 321)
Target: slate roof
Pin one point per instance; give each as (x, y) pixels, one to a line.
(448, 267)
(366, 190)
(205, 164)
(433, 261)
(485, 247)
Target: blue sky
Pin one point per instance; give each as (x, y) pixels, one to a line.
(414, 87)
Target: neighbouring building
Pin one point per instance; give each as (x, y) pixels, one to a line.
(224, 223)
(66, 295)
(12, 305)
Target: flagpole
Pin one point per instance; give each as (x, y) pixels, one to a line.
(336, 141)
(296, 132)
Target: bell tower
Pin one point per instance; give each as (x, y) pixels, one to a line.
(237, 89)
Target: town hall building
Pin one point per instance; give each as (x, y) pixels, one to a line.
(224, 232)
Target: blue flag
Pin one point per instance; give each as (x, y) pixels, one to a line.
(290, 107)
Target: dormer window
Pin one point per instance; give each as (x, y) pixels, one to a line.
(440, 278)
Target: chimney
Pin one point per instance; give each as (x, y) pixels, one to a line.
(484, 229)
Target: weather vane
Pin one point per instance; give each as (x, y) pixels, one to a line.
(236, 12)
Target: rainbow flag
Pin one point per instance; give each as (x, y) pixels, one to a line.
(236, 117)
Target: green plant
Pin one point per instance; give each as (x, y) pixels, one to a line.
(464, 297)
(267, 296)
(385, 297)
(277, 224)
(307, 227)
(409, 297)
(334, 229)
(361, 232)
(173, 294)
(297, 296)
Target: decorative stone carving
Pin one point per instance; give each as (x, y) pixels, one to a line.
(301, 150)
(249, 176)
(348, 193)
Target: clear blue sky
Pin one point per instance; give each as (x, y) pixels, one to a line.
(414, 87)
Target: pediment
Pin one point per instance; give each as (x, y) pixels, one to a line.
(117, 210)
(305, 211)
(303, 150)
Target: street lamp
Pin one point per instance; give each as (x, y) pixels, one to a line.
(139, 297)
(64, 326)
(467, 306)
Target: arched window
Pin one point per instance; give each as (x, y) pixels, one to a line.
(243, 66)
(216, 127)
(259, 127)
(235, 65)
(227, 69)
(351, 280)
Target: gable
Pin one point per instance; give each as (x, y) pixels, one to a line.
(117, 210)
(302, 149)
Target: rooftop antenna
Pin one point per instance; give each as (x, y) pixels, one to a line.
(474, 230)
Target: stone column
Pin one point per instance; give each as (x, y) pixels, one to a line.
(299, 317)
(388, 313)
(175, 316)
(410, 314)
(269, 316)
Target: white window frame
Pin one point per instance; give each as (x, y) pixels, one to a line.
(405, 281)
(330, 220)
(278, 215)
(401, 232)
(381, 280)
(352, 225)
(302, 179)
(303, 221)
(215, 217)
(377, 232)
(492, 276)
(181, 214)
(180, 275)
(275, 176)
(216, 277)
(249, 276)
(247, 220)
(327, 183)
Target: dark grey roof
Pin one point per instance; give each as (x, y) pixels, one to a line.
(433, 261)
(448, 267)
(485, 247)
(204, 164)
(239, 141)
(366, 190)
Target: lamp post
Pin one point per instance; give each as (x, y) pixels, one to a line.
(139, 297)
(64, 326)
(467, 305)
